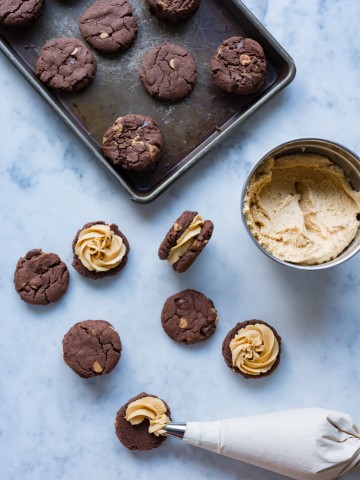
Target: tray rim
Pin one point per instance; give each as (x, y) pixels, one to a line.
(133, 194)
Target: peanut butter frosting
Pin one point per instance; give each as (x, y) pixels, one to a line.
(254, 349)
(152, 409)
(99, 249)
(302, 209)
(185, 240)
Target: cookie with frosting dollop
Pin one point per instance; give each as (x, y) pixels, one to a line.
(139, 423)
(100, 250)
(252, 348)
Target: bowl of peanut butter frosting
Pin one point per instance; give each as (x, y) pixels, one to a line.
(301, 204)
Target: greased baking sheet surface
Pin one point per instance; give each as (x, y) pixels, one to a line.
(189, 126)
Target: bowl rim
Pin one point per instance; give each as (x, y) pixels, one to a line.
(292, 143)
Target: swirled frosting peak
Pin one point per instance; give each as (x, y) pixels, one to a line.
(152, 409)
(99, 249)
(254, 349)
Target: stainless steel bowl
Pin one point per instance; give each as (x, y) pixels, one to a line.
(336, 153)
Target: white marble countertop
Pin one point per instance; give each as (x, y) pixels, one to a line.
(54, 425)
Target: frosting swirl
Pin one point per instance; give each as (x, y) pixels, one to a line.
(254, 349)
(150, 408)
(185, 240)
(99, 249)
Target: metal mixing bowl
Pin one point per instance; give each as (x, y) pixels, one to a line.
(336, 153)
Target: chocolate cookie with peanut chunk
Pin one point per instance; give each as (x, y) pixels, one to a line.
(168, 72)
(91, 348)
(19, 13)
(66, 64)
(239, 66)
(189, 317)
(134, 142)
(185, 240)
(108, 25)
(173, 10)
(41, 278)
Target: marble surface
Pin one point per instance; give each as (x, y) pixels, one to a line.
(54, 425)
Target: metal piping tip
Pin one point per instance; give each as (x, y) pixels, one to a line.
(175, 429)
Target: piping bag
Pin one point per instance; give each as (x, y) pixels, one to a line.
(304, 444)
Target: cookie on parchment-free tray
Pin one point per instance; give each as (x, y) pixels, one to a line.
(134, 432)
(189, 317)
(133, 142)
(19, 13)
(91, 348)
(108, 25)
(173, 10)
(185, 240)
(100, 250)
(252, 348)
(239, 66)
(41, 278)
(65, 64)
(168, 72)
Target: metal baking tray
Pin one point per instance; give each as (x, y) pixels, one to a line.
(192, 126)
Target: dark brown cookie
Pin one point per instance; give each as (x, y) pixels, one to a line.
(19, 13)
(108, 25)
(41, 278)
(92, 274)
(239, 66)
(133, 142)
(66, 64)
(196, 246)
(173, 10)
(91, 348)
(227, 352)
(189, 317)
(168, 72)
(137, 437)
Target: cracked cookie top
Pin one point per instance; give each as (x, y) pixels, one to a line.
(173, 10)
(239, 66)
(19, 13)
(108, 25)
(189, 317)
(91, 347)
(41, 278)
(66, 64)
(168, 72)
(133, 142)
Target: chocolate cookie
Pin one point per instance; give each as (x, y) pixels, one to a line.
(96, 245)
(137, 437)
(41, 278)
(168, 72)
(108, 25)
(19, 13)
(66, 64)
(227, 354)
(134, 142)
(173, 10)
(189, 317)
(239, 66)
(91, 348)
(183, 243)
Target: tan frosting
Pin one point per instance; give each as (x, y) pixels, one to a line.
(185, 240)
(150, 408)
(99, 249)
(302, 209)
(254, 349)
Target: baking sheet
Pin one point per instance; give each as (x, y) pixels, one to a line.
(192, 126)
